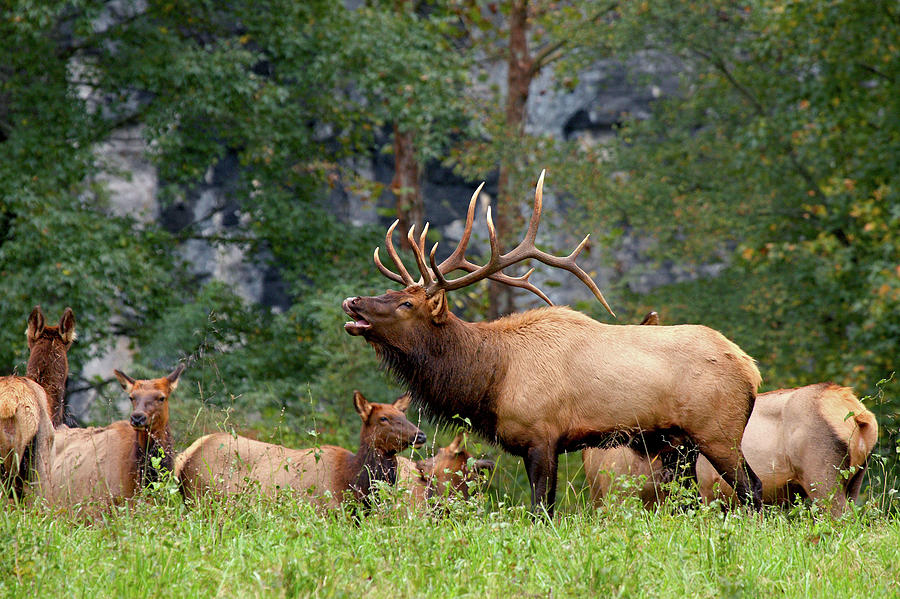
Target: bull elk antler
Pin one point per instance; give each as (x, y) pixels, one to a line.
(434, 277)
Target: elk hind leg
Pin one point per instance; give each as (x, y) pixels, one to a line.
(731, 466)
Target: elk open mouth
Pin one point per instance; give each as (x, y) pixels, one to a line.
(359, 325)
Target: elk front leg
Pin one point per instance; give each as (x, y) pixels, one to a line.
(541, 465)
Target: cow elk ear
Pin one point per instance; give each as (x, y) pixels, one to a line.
(172, 377)
(67, 327)
(402, 402)
(438, 306)
(126, 381)
(456, 445)
(363, 407)
(35, 325)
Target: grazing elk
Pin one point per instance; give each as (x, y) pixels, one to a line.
(553, 380)
(112, 463)
(797, 440)
(812, 441)
(30, 406)
(229, 465)
(445, 474)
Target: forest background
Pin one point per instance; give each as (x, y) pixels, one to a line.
(770, 178)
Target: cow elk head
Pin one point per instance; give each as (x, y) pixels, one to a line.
(150, 400)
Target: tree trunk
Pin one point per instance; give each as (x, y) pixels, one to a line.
(507, 218)
(407, 183)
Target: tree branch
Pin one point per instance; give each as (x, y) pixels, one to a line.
(550, 53)
(719, 64)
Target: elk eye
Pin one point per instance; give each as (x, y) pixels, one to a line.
(383, 419)
(407, 304)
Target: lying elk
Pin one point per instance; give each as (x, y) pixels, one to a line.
(553, 380)
(797, 440)
(230, 465)
(112, 463)
(446, 474)
(30, 406)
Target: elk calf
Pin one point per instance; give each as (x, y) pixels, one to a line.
(229, 465)
(30, 406)
(446, 474)
(113, 463)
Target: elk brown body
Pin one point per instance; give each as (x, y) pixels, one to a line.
(553, 380)
(797, 440)
(226, 464)
(30, 406)
(112, 463)
(446, 474)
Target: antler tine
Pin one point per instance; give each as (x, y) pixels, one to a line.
(531, 234)
(568, 263)
(419, 253)
(521, 282)
(459, 254)
(405, 277)
(386, 271)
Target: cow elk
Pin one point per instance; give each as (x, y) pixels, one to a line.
(113, 463)
(226, 464)
(811, 442)
(447, 474)
(30, 406)
(553, 380)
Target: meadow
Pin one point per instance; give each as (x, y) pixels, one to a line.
(490, 546)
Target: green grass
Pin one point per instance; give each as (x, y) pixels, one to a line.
(485, 548)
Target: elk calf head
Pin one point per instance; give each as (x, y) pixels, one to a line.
(385, 427)
(449, 471)
(150, 400)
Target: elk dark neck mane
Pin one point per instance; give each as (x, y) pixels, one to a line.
(456, 371)
(147, 447)
(48, 367)
(370, 465)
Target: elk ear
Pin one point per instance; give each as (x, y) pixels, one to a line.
(172, 377)
(402, 402)
(652, 318)
(126, 381)
(484, 465)
(438, 305)
(35, 325)
(363, 407)
(456, 445)
(67, 327)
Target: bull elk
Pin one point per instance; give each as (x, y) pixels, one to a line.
(229, 465)
(553, 380)
(112, 463)
(448, 473)
(797, 440)
(30, 406)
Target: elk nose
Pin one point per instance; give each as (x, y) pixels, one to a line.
(420, 439)
(138, 420)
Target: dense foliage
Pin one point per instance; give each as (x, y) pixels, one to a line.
(777, 161)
